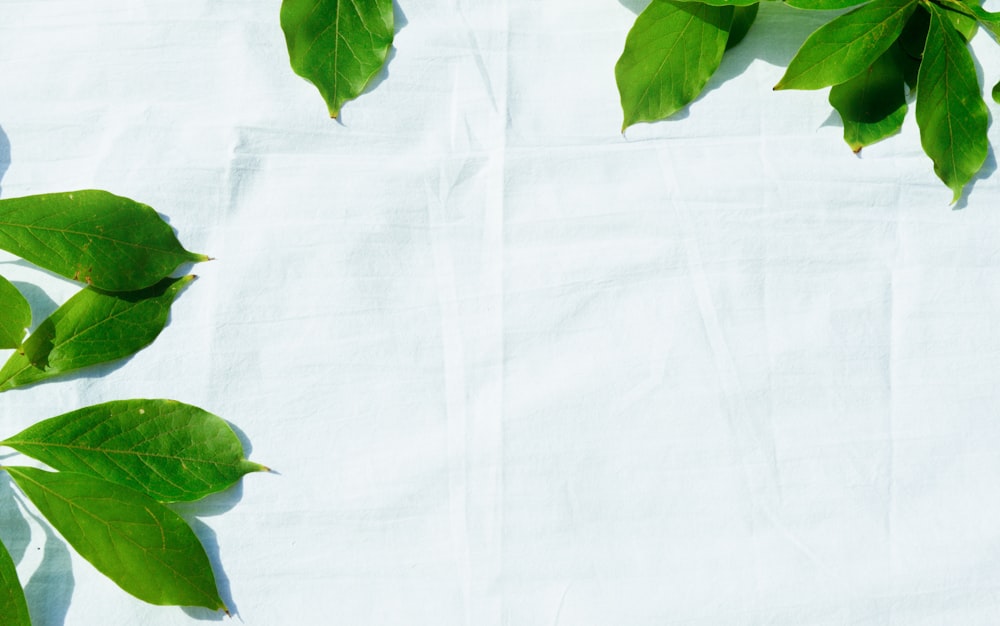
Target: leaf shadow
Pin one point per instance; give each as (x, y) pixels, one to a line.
(211, 543)
(41, 304)
(49, 590)
(987, 170)
(4, 155)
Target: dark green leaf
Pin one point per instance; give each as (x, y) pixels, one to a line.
(911, 43)
(92, 327)
(13, 608)
(95, 237)
(996, 93)
(163, 448)
(823, 5)
(847, 46)
(141, 545)
(670, 53)
(15, 315)
(337, 45)
(872, 105)
(743, 18)
(951, 113)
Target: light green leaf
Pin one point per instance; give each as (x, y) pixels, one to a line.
(823, 5)
(847, 46)
(92, 327)
(670, 53)
(872, 105)
(13, 607)
(98, 238)
(168, 450)
(743, 18)
(951, 113)
(15, 315)
(337, 45)
(140, 544)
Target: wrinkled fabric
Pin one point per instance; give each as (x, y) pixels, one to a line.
(512, 366)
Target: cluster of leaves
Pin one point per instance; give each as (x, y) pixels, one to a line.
(338, 45)
(872, 57)
(116, 464)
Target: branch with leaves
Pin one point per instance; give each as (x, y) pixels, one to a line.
(875, 58)
(117, 465)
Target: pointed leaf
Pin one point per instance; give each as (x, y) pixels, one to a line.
(670, 53)
(743, 18)
(168, 450)
(92, 327)
(996, 93)
(98, 238)
(15, 315)
(951, 113)
(140, 544)
(337, 45)
(873, 104)
(13, 607)
(847, 46)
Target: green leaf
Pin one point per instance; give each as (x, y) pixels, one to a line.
(724, 3)
(168, 450)
(847, 46)
(670, 53)
(15, 315)
(743, 18)
(337, 45)
(872, 105)
(92, 327)
(911, 43)
(140, 544)
(98, 238)
(951, 113)
(996, 93)
(13, 607)
(823, 5)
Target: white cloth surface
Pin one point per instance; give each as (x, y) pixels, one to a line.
(511, 366)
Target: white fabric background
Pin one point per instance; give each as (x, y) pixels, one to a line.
(511, 366)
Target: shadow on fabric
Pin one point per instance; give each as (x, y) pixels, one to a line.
(4, 155)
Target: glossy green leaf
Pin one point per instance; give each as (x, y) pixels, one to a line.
(15, 315)
(847, 46)
(166, 449)
(743, 18)
(92, 327)
(951, 113)
(95, 237)
(872, 105)
(13, 607)
(824, 5)
(140, 544)
(337, 45)
(670, 53)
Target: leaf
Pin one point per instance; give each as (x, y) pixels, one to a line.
(823, 5)
(13, 607)
(92, 327)
(911, 43)
(337, 45)
(98, 238)
(872, 105)
(15, 315)
(996, 93)
(951, 113)
(743, 17)
(168, 450)
(724, 3)
(847, 46)
(670, 53)
(140, 544)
